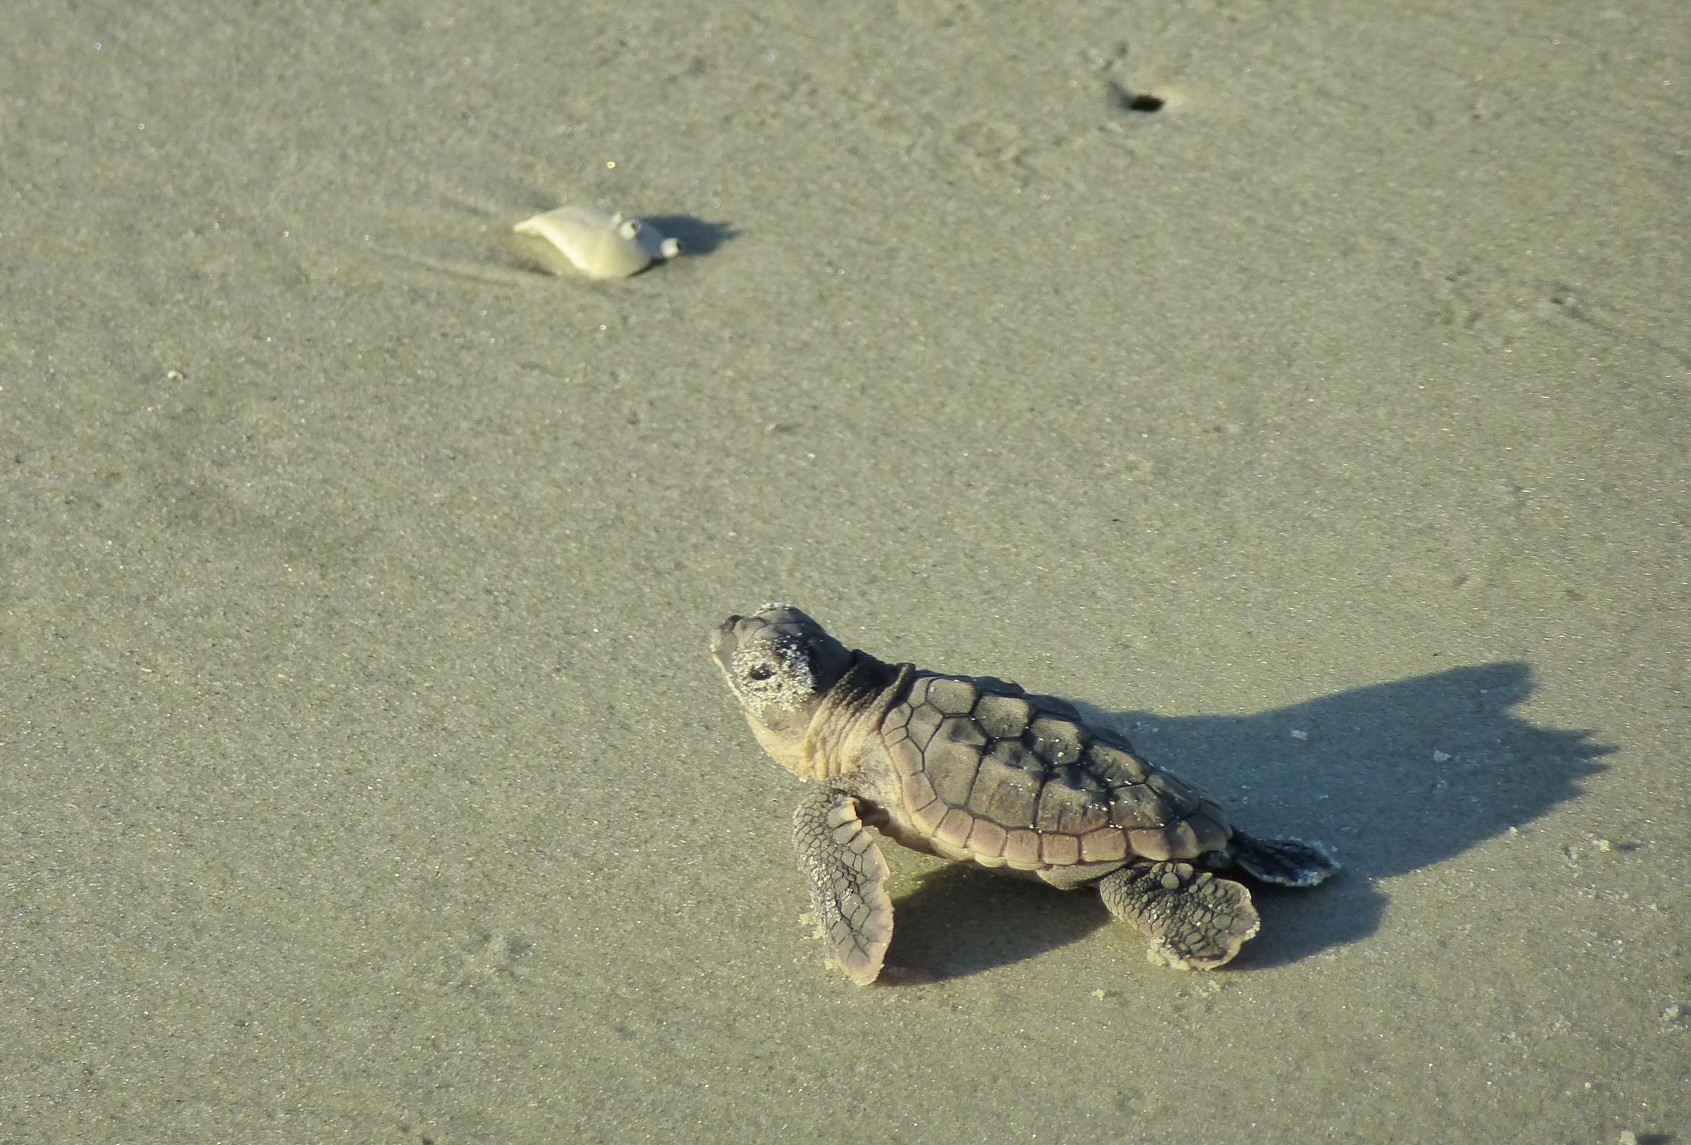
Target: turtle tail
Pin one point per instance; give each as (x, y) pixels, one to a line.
(1286, 861)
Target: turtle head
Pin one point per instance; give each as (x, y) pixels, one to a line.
(780, 664)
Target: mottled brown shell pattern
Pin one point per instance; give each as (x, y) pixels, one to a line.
(990, 773)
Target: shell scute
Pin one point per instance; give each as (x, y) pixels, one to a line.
(952, 696)
(1182, 840)
(917, 790)
(897, 719)
(1151, 842)
(927, 818)
(1106, 845)
(952, 764)
(1016, 755)
(1006, 794)
(1136, 807)
(1058, 741)
(924, 722)
(1059, 850)
(1210, 827)
(1021, 850)
(1065, 809)
(1003, 717)
(954, 828)
(987, 839)
(1179, 798)
(1114, 763)
(963, 730)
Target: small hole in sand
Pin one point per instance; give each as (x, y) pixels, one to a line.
(1142, 102)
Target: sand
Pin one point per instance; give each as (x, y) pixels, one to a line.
(365, 776)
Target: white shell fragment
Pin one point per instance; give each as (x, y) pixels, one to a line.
(599, 243)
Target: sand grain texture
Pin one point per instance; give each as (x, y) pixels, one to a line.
(364, 773)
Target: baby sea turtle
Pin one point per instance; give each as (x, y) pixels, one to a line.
(973, 767)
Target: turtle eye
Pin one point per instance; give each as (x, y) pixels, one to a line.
(760, 671)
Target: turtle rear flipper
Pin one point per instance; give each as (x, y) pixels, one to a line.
(1194, 920)
(847, 878)
(1287, 862)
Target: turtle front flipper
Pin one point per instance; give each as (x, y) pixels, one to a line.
(1194, 920)
(1287, 862)
(847, 878)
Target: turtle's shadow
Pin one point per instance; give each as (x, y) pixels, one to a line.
(962, 919)
(1396, 776)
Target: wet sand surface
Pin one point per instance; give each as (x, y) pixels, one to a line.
(1307, 389)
